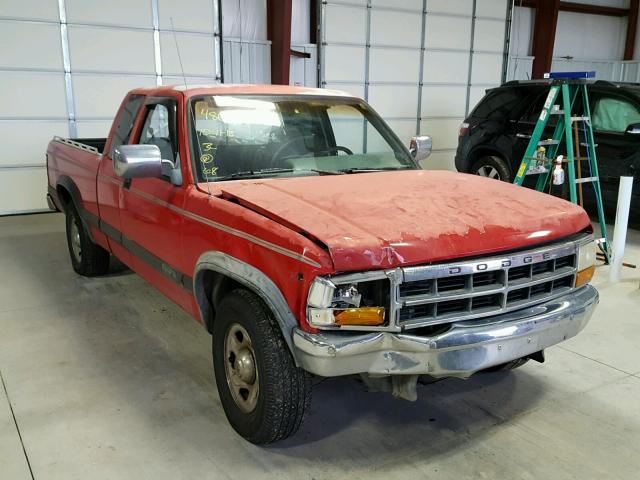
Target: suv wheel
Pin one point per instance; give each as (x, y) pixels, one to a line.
(263, 393)
(491, 166)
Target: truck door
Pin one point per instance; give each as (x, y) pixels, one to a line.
(108, 184)
(151, 226)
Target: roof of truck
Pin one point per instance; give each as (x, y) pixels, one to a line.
(241, 89)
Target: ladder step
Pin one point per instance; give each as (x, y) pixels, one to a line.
(548, 142)
(580, 119)
(586, 179)
(585, 144)
(556, 112)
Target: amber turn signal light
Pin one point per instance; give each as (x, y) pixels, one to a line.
(360, 316)
(585, 276)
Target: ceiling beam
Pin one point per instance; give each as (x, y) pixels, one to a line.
(544, 37)
(632, 24)
(579, 8)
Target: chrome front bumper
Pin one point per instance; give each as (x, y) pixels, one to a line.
(465, 348)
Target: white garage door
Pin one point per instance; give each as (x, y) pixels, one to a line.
(422, 64)
(66, 64)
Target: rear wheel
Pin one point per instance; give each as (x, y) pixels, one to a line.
(263, 393)
(87, 258)
(491, 166)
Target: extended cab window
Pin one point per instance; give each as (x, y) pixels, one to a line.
(251, 136)
(125, 121)
(614, 114)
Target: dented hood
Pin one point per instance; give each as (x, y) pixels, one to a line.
(389, 219)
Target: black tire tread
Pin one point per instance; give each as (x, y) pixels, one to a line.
(287, 387)
(95, 259)
(498, 162)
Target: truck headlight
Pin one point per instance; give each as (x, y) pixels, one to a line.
(586, 263)
(347, 304)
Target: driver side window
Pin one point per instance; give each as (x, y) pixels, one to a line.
(614, 114)
(159, 129)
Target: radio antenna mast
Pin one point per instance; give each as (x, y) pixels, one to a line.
(193, 120)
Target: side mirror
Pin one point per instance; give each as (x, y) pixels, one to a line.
(137, 161)
(420, 147)
(633, 129)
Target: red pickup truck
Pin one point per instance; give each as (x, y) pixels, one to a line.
(297, 228)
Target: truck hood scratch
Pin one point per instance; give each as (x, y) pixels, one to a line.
(390, 219)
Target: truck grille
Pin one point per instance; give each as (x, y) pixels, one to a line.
(436, 294)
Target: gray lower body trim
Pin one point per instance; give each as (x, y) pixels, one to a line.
(462, 350)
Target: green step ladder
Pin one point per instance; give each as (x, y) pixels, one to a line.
(569, 88)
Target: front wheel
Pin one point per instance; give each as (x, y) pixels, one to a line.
(263, 393)
(491, 166)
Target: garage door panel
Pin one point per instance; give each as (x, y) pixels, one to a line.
(440, 161)
(394, 100)
(444, 132)
(23, 190)
(344, 63)
(492, 8)
(386, 63)
(443, 101)
(17, 98)
(194, 15)
(40, 46)
(345, 24)
(449, 67)
(196, 52)
(406, 4)
(461, 7)
(24, 142)
(30, 9)
(486, 68)
(439, 32)
(100, 95)
(106, 49)
(93, 128)
(395, 28)
(489, 35)
(355, 90)
(130, 13)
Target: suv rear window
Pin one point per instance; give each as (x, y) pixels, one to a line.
(499, 103)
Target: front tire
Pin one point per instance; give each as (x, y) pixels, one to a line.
(491, 166)
(263, 393)
(87, 258)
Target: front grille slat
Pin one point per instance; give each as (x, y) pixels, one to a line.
(493, 288)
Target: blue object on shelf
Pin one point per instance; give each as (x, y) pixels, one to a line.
(570, 75)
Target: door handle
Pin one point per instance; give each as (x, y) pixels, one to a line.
(522, 135)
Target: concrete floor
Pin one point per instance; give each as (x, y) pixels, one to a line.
(105, 378)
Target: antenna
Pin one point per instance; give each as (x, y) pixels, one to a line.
(193, 119)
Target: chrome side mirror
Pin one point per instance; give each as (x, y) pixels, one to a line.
(137, 161)
(633, 129)
(420, 147)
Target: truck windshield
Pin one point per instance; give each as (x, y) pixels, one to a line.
(263, 136)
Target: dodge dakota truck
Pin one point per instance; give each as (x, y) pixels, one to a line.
(301, 232)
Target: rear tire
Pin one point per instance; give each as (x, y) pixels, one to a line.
(87, 258)
(491, 166)
(263, 393)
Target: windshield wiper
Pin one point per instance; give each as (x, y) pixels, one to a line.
(272, 171)
(368, 169)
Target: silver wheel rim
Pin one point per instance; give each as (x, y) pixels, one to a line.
(76, 245)
(489, 172)
(240, 368)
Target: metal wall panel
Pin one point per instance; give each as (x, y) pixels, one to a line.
(304, 71)
(246, 61)
(421, 63)
(81, 58)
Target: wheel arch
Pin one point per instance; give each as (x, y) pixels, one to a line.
(68, 193)
(218, 273)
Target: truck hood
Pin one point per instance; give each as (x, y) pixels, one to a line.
(389, 219)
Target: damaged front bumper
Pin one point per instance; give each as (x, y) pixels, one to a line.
(465, 348)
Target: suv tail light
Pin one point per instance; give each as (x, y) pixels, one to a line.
(464, 129)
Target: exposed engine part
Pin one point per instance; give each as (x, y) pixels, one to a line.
(400, 386)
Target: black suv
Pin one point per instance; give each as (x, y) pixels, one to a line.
(493, 139)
